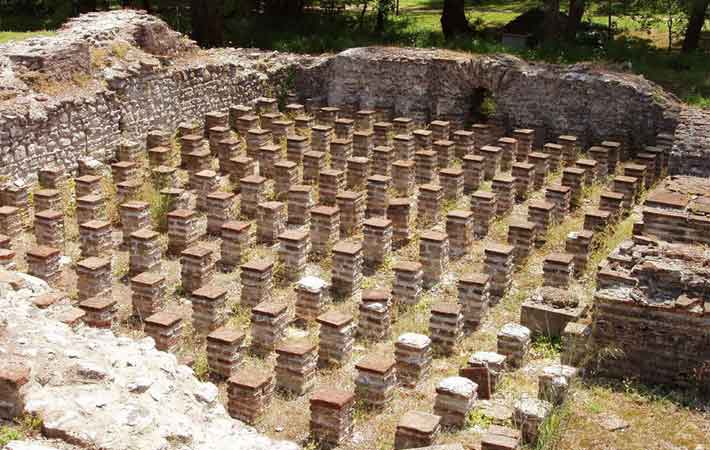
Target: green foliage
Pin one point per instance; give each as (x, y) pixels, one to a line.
(477, 418)
(546, 347)
(9, 433)
(550, 432)
(201, 367)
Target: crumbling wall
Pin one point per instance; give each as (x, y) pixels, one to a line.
(690, 154)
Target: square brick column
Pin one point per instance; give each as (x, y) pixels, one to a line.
(500, 438)
(215, 135)
(525, 138)
(227, 149)
(249, 395)
(648, 160)
(269, 321)
(347, 269)
(375, 380)
(100, 312)
(615, 154)
(293, 252)
(331, 422)
(629, 187)
(377, 196)
(383, 132)
(5, 241)
(524, 175)
(398, 212)
(95, 238)
(328, 115)
(579, 244)
(304, 123)
(363, 143)
(215, 119)
(413, 356)
(473, 168)
(425, 163)
(53, 177)
(208, 308)
(296, 148)
(296, 366)
(336, 338)
(499, 265)
(325, 228)
(403, 126)
(597, 220)
(463, 143)
(573, 177)
(542, 166)
(195, 162)
(48, 199)
(253, 190)
(503, 186)
(403, 176)
(473, 298)
(134, 216)
(637, 171)
(300, 202)
(223, 351)
(455, 398)
(205, 183)
(445, 327)
(257, 282)
(237, 111)
(542, 214)
(590, 168)
(313, 164)
(509, 150)
(234, 245)
(570, 149)
(13, 377)
(321, 137)
(159, 156)
(128, 190)
(44, 263)
(220, 208)
(514, 343)
(240, 167)
(255, 139)
(555, 155)
(173, 199)
(561, 196)
(358, 170)
(377, 241)
(382, 159)
(444, 150)
(197, 267)
(601, 156)
(124, 171)
(352, 212)
(403, 147)
(364, 119)
(344, 129)
(459, 229)
(491, 160)
(165, 328)
(183, 230)
(422, 140)
(407, 283)
(483, 205)
(87, 185)
(148, 294)
(188, 128)
(613, 202)
(485, 369)
(521, 235)
(376, 316)
(417, 429)
(340, 151)
(483, 134)
(452, 180)
(145, 252)
(10, 220)
(7, 259)
(271, 222)
(310, 299)
(49, 228)
(267, 156)
(330, 183)
(434, 256)
(440, 129)
(558, 269)
(429, 203)
(280, 128)
(164, 177)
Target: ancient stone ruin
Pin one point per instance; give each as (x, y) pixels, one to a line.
(240, 249)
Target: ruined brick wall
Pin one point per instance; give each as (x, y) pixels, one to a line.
(690, 154)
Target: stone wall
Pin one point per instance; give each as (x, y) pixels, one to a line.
(690, 154)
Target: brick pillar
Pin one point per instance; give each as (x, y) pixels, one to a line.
(328, 115)
(375, 381)
(413, 356)
(127, 191)
(257, 282)
(145, 252)
(215, 119)
(358, 170)
(364, 119)
(10, 220)
(590, 170)
(226, 150)
(266, 105)
(601, 156)
(452, 180)
(485, 369)
(573, 177)
(296, 148)
(88, 207)
(561, 196)
(615, 153)
(293, 252)
(509, 148)
(271, 222)
(524, 174)
(403, 176)
(473, 168)
(629, 187)
(455, 398)
(215, 135)
(363, 143)
(321, 137)
(403, 126)
(459, 229)
(300, 202)
(499, 265)
(48, 199)
(49, 228)
(331, 423)
(514, 343)
(440, 130)
(310, 299)
(269, 321)
(7, 259)
(196, 267)
(473, 298)
(148, 294)
(377, 196)
(463, 143)
(234, 245)
(347, 269)
(555, 155)
(255, 139)
(183, 230)
(434, 256)
(382, 134)
(422, 140)
(483, 205)
(44, 263)
(375, 317)
(428, 204)
(570, 149)
(340, 151)
(173, 198)
(220, 208)
(100, 312)
(5, 241)
(444, 153)
(208, 308)
(165, 328)
(237, 111)
(134, 216)
(53, 177)
(124, 171)
(483, 134)
(296, 366)
(267, 156)
(330, 183)
(281, 128)
(558, 269)
(164, 177)
(525, 138)
(542, 166)
(637, 171)
(335, 338)
(491, 160)
(206, 182)
(425, 166)
(87, 185)
(249, 394)
(398, 212)
(382, 159)
(93, 277)
(253, 192)
(403, 147)
(613, 202)
(352, 212)
(344, 129)
(240, 167)
(597, 220)
(313, 164)
(417, 429)
(194, 162)
(304, 123)
(325, 228)
(503, 186)
(159, 156)
(445, 327)
(188, 128)
(377, 241)
(223, 351)
(542, 214)
(579, 244)
(521, 235)
(95, 238)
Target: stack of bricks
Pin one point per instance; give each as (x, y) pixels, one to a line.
(569, 149)
(205, 183)
(434, 256)
(252, 190)
(358, 170)
(554, 381)
(422, 139)
(364, 119)
(145, 253)
(10, 220)
(601, 156)
(164, 177)
(377, 196)
(597, 220)
(375, 315)
(382, 134)
(459, 229)
(223, 351)
(189, 128)
(347, 269)
(53, 177)
(328, 115)
(313, 163)
(269, 321)
(444, 150)
(529, 414)
(613, 203)
(573, 177)
(377, 241)
(428, 204)
(542, 214)
(44, 263)
(628, 186)
(282, 128)
(148, 293)
(403, 177)
(524, 174)
(304, 123)
(183, 230)
(463, 143)
(48, 199)
(174, 198)
(513, 343)
(521, 235)
(196, 267)
(240, 167)
(220, 208)
(440, 130)
(398, 212)
(165, 329)
(344, 129)
(93, 277)
(100, 312)
(249, 394)
(267, 120)
(296, 147)
(340, 151)
(255, 139)
(472, 172)
(128, 190)
(554, 151)
(331, 422)
(271, 222)
(503, 187)
(590, 170)
(403, 147)
(234, 245)
(579, 244)
(293, 252)
(484, 369)
(375, 381)
(300, 202)
(403, 126)
(413, 356)
(407, 284)
(330, 183)
(159, 157)
(124, 171)
(335, 338)
(49, 228)
(639, 172)
(483, 205)
(226, 150)
(352, 212)
(256, 279)
(134, 216)
(382, 159)
(491, 160)
(95, 238)
(451, 179)
(424, 166)
(296, 366)
(473, 298)
(417, 429)
(499, 265)
(648, 160)
(455, 397)
(614, 154)
(445, 327)
(87, 185)
(484, 134)
(208, 308)
(88, 207)
(541, 161)
(310, 299)
(558, 270)
(363, 143)
(325, 229)
(321, 137)
(7, 259)
(509, 148)
(561, 197)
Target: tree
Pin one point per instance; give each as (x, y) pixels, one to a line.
(696, 20)
(552, 20)
(207, 18)
(574, 17)
(453, 19)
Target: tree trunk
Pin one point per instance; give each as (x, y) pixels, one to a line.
(453, 19)
(552, 19)
(574, 18)
(87, 6)
(696, 20)
(380, 23)
(147, 6)
(207, 22)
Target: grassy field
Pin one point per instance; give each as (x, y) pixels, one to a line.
(7, 36)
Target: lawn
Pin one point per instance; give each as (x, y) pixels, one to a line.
(6, 36)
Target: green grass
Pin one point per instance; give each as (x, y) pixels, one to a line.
(7, 36)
